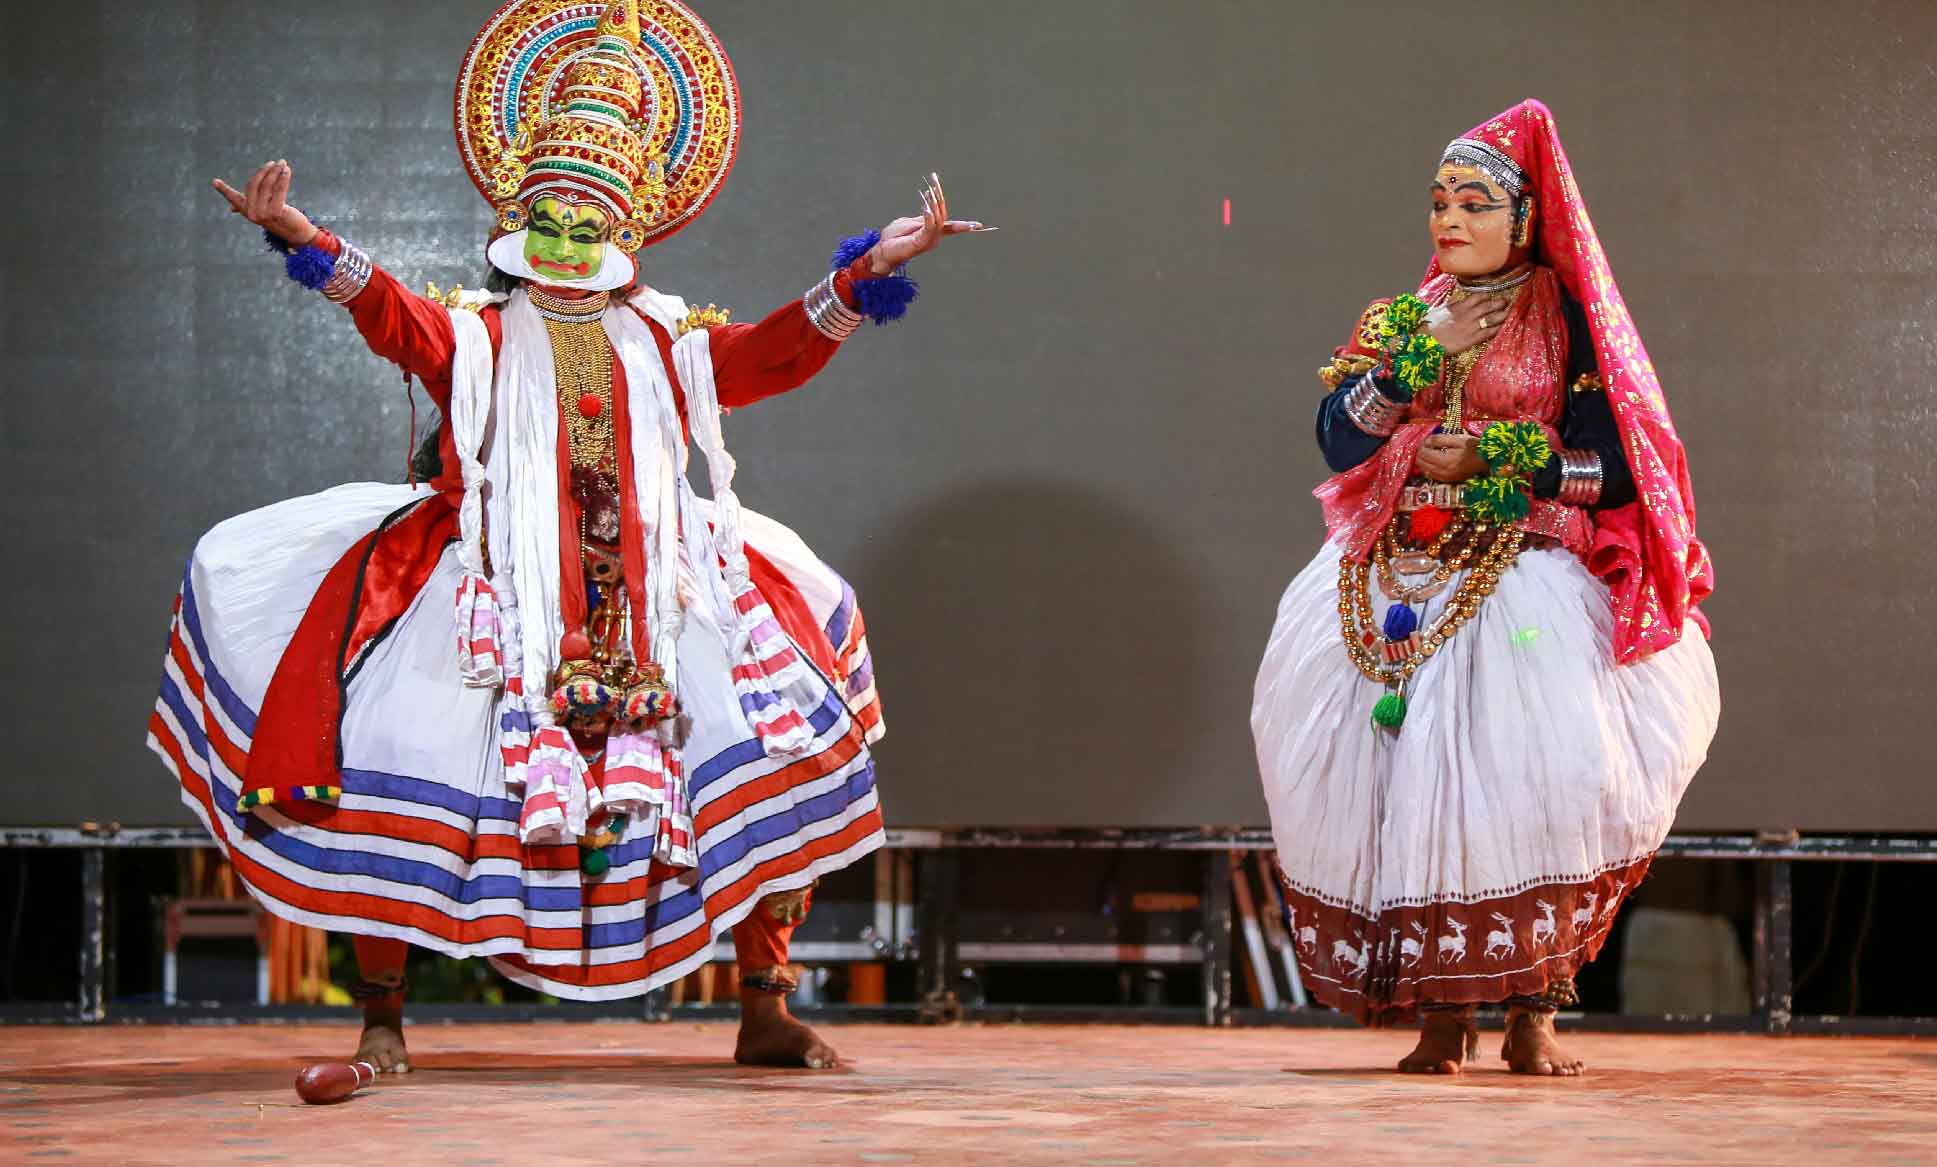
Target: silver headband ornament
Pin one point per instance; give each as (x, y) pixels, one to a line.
(1488, 161)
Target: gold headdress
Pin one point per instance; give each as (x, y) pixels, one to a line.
(592, 103)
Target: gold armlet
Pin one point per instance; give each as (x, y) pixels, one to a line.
(1335, 373)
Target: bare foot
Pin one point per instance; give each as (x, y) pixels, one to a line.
(1447, 1040)
(382, 1044)
(1532, 1047)
(770, 1036)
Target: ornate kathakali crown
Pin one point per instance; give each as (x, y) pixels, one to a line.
(593, 104)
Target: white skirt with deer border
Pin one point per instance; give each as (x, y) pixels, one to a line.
(1480, 851)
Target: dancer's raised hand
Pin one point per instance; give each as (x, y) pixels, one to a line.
(904, 239)
(264, 202)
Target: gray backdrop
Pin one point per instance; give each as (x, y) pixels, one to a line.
(1071, 486)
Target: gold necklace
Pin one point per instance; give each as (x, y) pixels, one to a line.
(582, 370)
(1461, 366)
(568, 310)
(1387, 546)
(1355, 607)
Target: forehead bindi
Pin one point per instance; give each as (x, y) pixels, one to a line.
(1466, 180)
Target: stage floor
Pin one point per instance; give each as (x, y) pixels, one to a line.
(624, 1093)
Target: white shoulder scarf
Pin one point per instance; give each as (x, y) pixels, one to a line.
(505, 422)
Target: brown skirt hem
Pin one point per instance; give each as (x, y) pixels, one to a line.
(1381, 970)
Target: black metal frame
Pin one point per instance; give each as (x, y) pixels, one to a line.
(940, 965)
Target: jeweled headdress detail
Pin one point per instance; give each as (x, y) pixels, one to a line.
(598, 104)
(1502, 170)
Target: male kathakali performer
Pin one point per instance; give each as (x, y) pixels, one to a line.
(550, 707)
(1465, 789)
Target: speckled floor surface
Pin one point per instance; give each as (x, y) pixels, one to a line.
(561, 1095)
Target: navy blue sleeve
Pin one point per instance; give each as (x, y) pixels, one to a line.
(1342, 442)
(1587, 422)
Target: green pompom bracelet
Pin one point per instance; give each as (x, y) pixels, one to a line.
(1498, 499)
(1517, 447)
(1418, 363)
(1406, 313)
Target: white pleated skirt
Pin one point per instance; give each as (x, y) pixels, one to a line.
(1481, 850)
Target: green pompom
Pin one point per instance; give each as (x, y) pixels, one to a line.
(1497, 500)
(594, 863)
(1418, 363)
(1518, 446)
(1407, 312)
(1390, 712)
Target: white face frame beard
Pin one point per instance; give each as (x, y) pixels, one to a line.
(507, 254)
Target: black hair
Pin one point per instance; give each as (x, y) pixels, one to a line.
(428, 462)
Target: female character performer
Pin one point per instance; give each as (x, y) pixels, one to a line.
(550, 707)
(1483, 699)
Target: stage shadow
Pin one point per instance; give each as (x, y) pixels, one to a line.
(151, 1081)
(1492, 1074)
(1041, 659)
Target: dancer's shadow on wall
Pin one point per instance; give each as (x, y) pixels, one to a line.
(1039, 653)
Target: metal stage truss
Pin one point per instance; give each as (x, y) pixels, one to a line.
(926, 932)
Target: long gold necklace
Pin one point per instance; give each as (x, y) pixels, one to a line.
(1356, 622)
(582, 369)
(1444, 570)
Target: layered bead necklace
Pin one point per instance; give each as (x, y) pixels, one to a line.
(1389, 653)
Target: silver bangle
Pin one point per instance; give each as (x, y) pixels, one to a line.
(1581, 477)
(353, 269)
(1371, 410)
(835, 320)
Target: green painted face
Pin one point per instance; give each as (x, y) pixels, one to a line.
(566, 243)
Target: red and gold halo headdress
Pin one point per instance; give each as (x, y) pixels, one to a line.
(631, 106)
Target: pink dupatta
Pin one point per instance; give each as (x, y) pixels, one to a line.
(1656, 570)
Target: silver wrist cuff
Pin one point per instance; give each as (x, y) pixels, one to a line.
(1371, 410)
(1581, 477)
(353, 269)
(835, 320)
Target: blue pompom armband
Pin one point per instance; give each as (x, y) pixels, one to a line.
(310, 266)
(340, 277)
(885, 298)
(879, 298)
(854, 247)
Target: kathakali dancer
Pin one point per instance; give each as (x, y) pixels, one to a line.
(550, 707)
(1482, 700)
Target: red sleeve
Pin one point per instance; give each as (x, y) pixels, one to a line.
(752, 362)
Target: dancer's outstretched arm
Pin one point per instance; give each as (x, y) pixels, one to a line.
(397, 324)
(781, 352)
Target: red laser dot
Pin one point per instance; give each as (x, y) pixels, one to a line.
(1227, 212)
